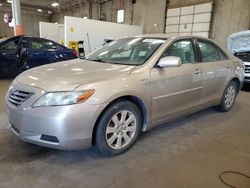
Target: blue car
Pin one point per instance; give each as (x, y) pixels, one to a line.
(20, 53)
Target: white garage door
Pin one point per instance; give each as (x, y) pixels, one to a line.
(189, 20)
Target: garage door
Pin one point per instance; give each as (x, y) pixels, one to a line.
(189, 20)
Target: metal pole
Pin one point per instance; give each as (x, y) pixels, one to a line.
(16, 11)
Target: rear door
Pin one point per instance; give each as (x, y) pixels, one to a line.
(176, 90)
(41, 52)
(215, 69)
(64, 53)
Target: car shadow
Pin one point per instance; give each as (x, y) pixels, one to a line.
(16, 151)
(187, 120)
(190, 120)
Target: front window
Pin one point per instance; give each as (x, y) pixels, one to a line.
(10, 44)
(128, 51)
(182, 49)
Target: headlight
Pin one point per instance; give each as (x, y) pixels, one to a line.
(63, 98)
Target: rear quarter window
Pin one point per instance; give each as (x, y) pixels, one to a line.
(37, 43)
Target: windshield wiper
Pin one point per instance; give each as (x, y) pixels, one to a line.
(110, 62)
(97, 60)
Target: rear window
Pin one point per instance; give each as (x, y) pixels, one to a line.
(42, 44)
(210, 52)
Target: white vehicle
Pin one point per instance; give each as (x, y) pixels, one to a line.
(239, 45)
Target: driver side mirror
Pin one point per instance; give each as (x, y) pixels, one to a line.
(169, 61)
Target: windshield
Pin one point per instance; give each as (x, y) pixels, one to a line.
(128, 51)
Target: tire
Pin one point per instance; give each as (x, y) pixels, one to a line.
(118, 128)
(228, 98)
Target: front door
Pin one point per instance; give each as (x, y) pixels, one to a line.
(175, 90)
(9, 55)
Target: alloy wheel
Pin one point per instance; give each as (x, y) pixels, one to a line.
(230, 96)
(121, 130)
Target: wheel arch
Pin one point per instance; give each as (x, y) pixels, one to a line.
(134, 99)
(237, 81)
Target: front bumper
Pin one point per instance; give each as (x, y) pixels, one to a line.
(61, 127)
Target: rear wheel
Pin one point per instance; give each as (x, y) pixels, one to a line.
(228, 97)
(118, 128)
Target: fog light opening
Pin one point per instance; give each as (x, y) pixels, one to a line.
(49, 138)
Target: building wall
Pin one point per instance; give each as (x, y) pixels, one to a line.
(150, 15)
(4, 28)
(106, 11)
(182, 3)
(80, 11)
(30, 22)
(229, 16)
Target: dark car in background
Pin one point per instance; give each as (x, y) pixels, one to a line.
(2, 40)
(20, 53)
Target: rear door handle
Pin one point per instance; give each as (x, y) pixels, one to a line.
(229, 66)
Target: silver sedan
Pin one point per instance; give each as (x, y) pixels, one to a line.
(128, 86)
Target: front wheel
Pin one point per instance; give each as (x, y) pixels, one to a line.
(118, 128)
(228, 97)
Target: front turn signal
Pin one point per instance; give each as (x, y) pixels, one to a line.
(85, 96)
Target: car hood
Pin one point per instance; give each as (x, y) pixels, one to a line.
(70, 74)
(239, 42)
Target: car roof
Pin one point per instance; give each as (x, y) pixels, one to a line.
(168, 36)
(30, 37)
(176, 37)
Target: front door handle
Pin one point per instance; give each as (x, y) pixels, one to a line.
(197, 71)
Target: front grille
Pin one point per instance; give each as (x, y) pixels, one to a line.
(244, 56)
(18, 97)
(247, 68)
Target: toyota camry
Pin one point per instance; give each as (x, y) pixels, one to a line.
(126, 87)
